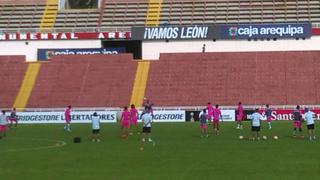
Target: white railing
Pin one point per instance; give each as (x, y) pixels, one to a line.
(78, 29)
(161, 108)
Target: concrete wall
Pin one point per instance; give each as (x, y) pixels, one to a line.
(152, 50)
(30, 49)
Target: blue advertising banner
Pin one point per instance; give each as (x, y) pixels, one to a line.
(265, 31)
(173, 33)
(45, 54)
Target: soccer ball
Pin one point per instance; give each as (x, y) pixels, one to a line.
(264, 137)
(240, 137)
(275, 137)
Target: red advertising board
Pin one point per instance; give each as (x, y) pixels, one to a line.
(64, 36)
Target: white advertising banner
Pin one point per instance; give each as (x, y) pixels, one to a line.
(228, 115)
(167, 116)
(58, 117)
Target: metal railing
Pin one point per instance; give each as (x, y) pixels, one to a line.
(161, 108)
(80, 29)
(57, 30)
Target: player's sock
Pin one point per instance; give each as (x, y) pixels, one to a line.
(150, 140)
(314, 137)
(143, 139)
(310, 138)
(269, 125)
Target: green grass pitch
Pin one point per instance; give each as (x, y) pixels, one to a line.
(36, 152)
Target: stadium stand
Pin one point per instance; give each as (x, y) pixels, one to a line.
(12, 70)
(124, 13)
(186, 12)
(73, 19)
(241, 11)
(28, 14)
(16, 16)
(84, 81)
(189, 79)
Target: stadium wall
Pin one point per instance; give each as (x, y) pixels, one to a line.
(152, 50)
(30, 48)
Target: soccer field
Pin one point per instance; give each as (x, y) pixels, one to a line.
(39, 152)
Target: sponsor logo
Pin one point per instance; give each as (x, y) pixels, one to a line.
(44, 54)
(267, 30)
(233, 31)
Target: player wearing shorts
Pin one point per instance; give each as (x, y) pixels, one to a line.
(95, 127)
(203, 123)
(297, 119)
(125, 122)
(3, 124)
(13, 118)
(146, 125)
(268, 113)
(134, 117)
(240, 115)
(67, 116)
(308, 115)
(256, 124)
(216, 117)
(209, 112)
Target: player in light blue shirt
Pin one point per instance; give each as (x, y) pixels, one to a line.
(308, 116)
(255, 124)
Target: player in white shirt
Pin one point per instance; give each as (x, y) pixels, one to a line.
(308, 116)
(146, 124)
(256, 124)
(3, 124)
(95, 128)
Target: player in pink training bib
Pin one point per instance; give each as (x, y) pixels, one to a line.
(67, 116)
(240, 115)
(216, 117)
(134, 117)
(125, 122)
(209, 112)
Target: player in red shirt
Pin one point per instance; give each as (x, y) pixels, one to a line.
(67, 117)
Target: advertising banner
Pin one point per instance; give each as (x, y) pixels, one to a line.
(45, 54)
(167, 116)
(173, 33)
(192, 116)
(64, 36)
(281, 114)
(58, 117)
(228, 115)
(265, 31)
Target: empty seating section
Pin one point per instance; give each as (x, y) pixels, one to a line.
(71, 19)
(241, 11)
(18, 16)
(188, 79)
(12, 70)
(23, 2)
(121, 13)
(126, 13)
(84, 81)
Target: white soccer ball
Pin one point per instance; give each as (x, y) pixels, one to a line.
(264, 137)
(275, 137)
(240, 137)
